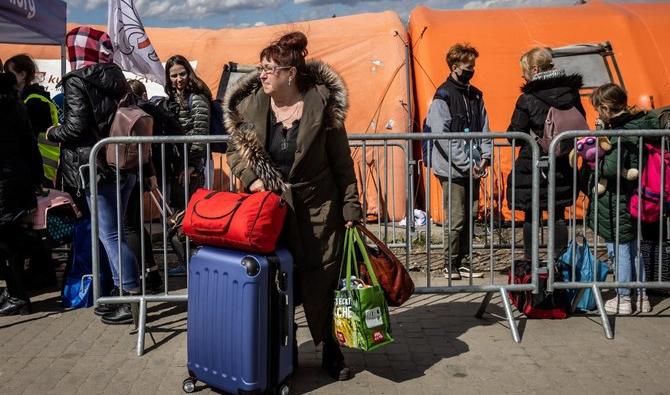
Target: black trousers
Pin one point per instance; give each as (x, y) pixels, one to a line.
(14, 246)
(560, 233)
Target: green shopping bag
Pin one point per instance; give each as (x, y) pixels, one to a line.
(360, 314)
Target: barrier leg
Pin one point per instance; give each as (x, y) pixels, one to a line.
(141, 327)
(510, 315)
(576, 299)
(601, 310)
(484, 305)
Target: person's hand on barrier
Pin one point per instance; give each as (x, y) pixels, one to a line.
(479, 171)
(257, 186)
(151, 183)
(189, 172)
(476, 172)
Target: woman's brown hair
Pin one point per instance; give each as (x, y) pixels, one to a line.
(614, 97)
(137, 87)
(195, 84)
(22, 63)
(290, 50)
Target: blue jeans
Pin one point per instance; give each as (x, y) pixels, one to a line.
(109, 233)
(625, 264)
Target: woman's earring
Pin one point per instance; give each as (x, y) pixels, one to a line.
(289, 81)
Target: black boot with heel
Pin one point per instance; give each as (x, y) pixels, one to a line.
(333, 361)
(15, 306)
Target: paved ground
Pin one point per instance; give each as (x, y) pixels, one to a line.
(440, 348)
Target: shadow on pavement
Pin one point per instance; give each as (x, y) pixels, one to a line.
(42, 305)
(157, 324)
(424, 335)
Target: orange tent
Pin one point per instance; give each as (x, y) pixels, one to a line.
(366, 49)
(636, 32)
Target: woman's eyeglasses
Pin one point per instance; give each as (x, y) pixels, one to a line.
(271, 69)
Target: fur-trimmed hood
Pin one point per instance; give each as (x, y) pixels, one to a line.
(555, 88)
(318, 73)
(552, 80)
(325, 85)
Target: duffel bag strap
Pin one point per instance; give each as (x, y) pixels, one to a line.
(231, 212)
(229, 215)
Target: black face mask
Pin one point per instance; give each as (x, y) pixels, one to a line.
(466, 76)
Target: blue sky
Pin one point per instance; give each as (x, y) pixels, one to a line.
(242, 13)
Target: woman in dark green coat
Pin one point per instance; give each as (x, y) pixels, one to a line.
(286, 123)
(609, 208)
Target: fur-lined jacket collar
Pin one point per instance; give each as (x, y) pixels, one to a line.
(245, 114)
(555, 88)
(553, 79)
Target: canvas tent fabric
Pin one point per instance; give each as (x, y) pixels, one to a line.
(32, 22)
(637, 32)
(366, 49)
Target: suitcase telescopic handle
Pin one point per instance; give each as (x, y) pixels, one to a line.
(285, 319)
(159, 206)
(281, 283)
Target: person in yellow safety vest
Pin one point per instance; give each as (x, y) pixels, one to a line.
(42, 112)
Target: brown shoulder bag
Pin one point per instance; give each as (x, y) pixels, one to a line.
(393, 278)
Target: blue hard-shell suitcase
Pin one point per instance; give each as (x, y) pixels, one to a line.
(240, 321)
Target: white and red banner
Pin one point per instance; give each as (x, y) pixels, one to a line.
(133, 50)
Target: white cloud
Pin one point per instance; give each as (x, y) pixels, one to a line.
(325, 8)
(86, 4)
(404, 7)
(198, 9)
(182, 10)
(244, 13)
(323, 2)
(478, 4)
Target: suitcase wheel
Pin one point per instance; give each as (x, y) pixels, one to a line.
(283, 390)
(189, 385)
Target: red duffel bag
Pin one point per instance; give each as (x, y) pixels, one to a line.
(248, 222)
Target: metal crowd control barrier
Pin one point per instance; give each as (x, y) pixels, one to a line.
(386, 146)
(142, 299)
(639, 282)
(414, 169)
